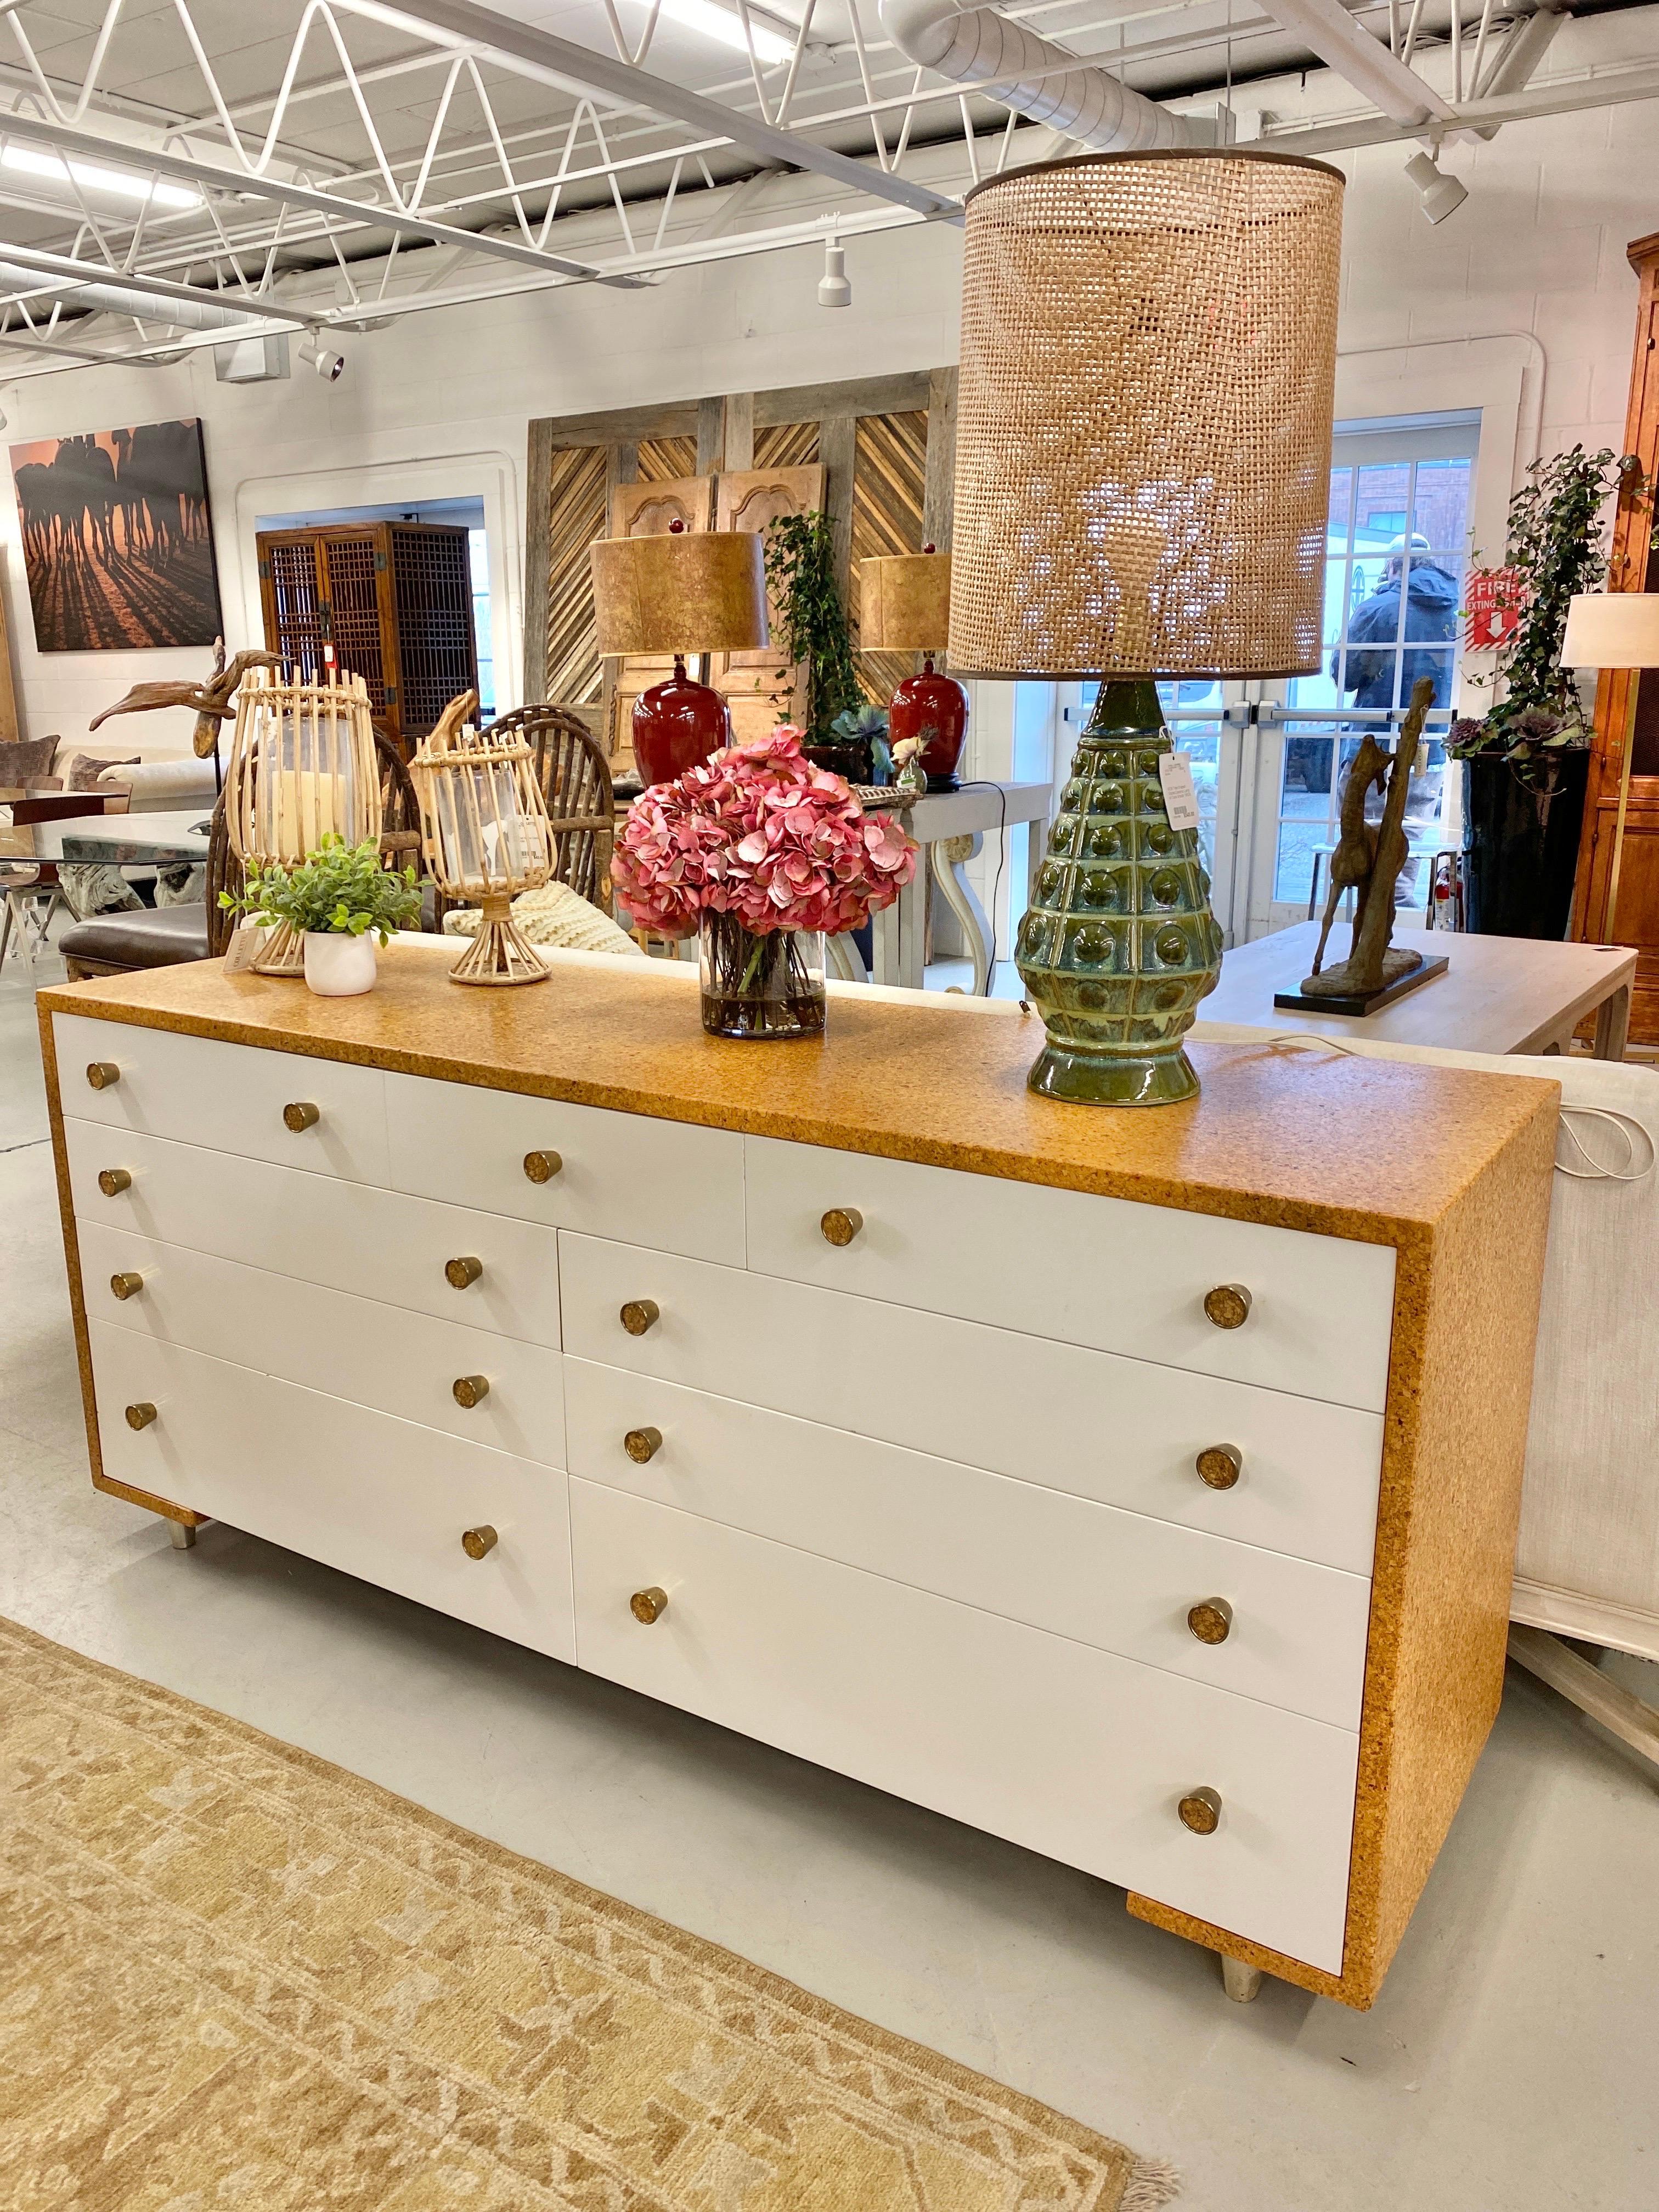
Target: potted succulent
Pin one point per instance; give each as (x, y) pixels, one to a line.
(1526, 760)
(763, 854)
(340, 899)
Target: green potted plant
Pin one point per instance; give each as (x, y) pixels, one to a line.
(811, 627)
(340, 899)
(1526, 760)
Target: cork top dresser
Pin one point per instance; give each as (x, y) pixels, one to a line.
(1141, 1487)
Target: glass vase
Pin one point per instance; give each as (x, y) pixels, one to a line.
(761, 987)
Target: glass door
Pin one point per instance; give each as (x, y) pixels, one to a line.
(1396, 551)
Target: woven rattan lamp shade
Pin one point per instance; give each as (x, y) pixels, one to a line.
(1144, 420)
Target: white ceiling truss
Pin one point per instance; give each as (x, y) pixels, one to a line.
(173, 174)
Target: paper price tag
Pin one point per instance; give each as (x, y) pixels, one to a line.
(244, 948)
(1174, 773)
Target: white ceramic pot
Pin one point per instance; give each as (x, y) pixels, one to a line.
(338, 965)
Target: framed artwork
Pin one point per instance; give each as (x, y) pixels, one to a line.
(117, 539)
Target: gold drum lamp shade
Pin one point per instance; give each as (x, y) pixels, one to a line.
(1143, 472)
(484, 835)
(681, 592)
(302, 767)
(904, 603)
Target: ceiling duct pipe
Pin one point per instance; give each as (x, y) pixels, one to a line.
(1038, 79)
(116, 300)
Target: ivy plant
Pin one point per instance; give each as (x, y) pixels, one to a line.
(811, 624)
(1556, 546)
(337, 888)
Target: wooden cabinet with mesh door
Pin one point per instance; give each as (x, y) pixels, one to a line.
(394, 598)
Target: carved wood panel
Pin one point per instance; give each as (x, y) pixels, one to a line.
(889, 478)
(760, 689)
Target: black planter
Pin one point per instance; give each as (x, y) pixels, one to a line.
(1520, 824)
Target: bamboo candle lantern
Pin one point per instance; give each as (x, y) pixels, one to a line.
(302, 767)
(485, 834)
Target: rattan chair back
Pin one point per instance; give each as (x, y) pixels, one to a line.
(574, 777)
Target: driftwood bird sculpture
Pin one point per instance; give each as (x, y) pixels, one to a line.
(215, 702)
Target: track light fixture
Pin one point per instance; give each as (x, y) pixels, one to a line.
(835, 289)
(329, 365)
(1439, 194)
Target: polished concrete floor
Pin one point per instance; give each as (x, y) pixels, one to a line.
(1509, 2065)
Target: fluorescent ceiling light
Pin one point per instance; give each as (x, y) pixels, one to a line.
(721, 25)
(92, 177)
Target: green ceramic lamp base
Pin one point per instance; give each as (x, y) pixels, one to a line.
(1118, 944)
(1097, 1078)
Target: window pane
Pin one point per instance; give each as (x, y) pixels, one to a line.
(1441, 507)
(1341, 508)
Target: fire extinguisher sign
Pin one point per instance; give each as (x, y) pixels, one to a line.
(1492, 609)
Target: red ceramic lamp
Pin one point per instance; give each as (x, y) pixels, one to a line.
(682, 592)
(904, 604)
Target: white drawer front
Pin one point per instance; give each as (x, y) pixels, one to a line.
(1116, 1580)
(380, 1244)
(227, 1097)
(1121, 1431)
(398, 1362)
(1102, 1272)
(628, 1176)
(383, 1499)
(1067, 1750)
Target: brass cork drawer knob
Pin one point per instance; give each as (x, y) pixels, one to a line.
(141, 1415)
(541, 1167)
(300, 1116)
(1219, 1466)
(461, 1275)
(113, 1180)
(470, 1390)
(126, 1284)
(1200, 1811)
(103, 1074)
(477, 1543)
(1228, 1305)
(842, 1224)
(641, 1444)
(640, 1315)
(648, 1605)
(1211, 1621)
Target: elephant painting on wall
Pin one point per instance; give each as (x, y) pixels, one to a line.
(117, 539)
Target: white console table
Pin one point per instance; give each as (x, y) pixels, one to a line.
(978, 810)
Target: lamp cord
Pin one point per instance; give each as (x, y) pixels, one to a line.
(984, 783)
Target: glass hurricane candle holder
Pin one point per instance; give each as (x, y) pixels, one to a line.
(302, 767)
(485, 834)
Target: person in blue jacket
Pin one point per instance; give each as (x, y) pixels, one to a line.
(1431, 596)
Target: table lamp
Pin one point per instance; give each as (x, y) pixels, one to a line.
(1615, 631)
(905, 605)
(302, 766)
(1143, 472)
(681, 592)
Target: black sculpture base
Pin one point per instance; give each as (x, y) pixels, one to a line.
(1353, 1003)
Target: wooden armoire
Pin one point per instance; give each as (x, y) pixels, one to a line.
(1633, 917)
(396, 600)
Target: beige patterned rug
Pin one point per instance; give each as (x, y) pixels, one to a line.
(234, 1979)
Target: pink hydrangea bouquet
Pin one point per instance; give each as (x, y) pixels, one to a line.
(765, 854)
(761, 834)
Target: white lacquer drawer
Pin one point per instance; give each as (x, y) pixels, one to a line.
(404, 1364)
(1103, 1272)
(1068, 1750)
(231, 1097)
(379, 1244)
(1291, 1633)
(1123, 1431)
(383, 1499)
(627, 1176)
